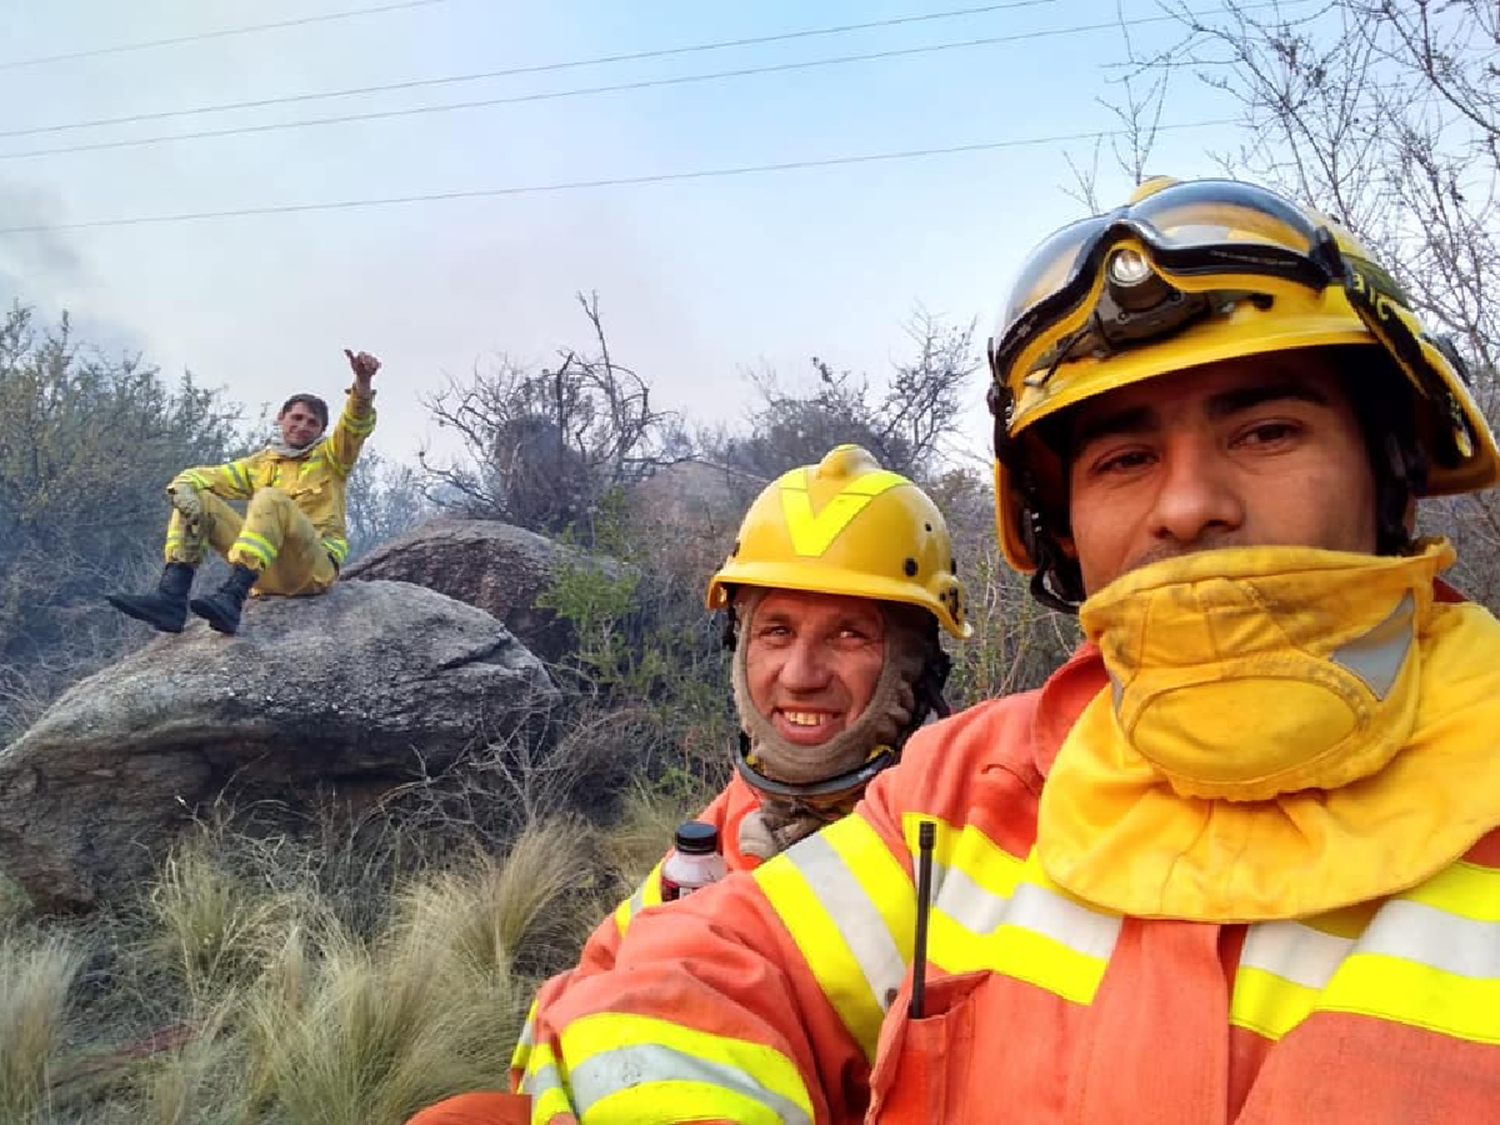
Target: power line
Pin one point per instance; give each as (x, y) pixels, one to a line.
(222, 33)
(537, 68)
(616, 181)
(587, 91)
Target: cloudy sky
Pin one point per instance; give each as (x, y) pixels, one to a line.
(701, 279)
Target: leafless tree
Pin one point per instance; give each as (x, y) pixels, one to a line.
(544, 447)
(907, 423)
(384, 499)
(1137, 107)
(1384, 114)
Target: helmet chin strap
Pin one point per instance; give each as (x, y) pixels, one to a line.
(1057, 583)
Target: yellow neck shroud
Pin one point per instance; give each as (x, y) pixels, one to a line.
(1287, 731)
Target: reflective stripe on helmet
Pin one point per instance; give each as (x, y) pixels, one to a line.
(813, 532)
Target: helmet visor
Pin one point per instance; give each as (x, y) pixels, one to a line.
(1196, 230)
(1197, 216)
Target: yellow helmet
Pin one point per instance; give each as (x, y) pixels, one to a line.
(1190, 273)
(847, 526)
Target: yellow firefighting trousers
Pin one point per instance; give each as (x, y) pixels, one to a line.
(273, 538)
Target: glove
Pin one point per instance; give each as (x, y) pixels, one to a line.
(186, 500)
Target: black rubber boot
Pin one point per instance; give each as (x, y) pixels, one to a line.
(167, 609)
(221, 609)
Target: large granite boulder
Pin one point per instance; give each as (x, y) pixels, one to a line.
(342, 696)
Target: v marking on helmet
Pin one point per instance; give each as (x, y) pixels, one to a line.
(814, 532)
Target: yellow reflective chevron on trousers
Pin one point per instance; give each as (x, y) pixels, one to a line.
(813, 532)
(1429, 958)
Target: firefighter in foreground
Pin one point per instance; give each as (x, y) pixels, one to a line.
(840, 577)
(291, 540)
(1237, 860)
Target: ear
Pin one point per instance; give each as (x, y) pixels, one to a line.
(1066, 545)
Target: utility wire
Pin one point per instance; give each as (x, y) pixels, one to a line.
(537, 68)
(586, 91)
(616, 181)
(222, 33)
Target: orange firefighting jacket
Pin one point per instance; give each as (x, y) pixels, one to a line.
(734, 802)
(782, 995)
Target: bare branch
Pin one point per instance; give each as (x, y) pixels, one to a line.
(544, 448)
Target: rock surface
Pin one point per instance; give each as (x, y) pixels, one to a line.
(348, 694)
(490, 565)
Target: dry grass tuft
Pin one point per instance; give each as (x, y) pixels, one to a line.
(248, 991)
(35, 976)
(644, 833)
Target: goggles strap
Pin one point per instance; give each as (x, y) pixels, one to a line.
(1387, 319)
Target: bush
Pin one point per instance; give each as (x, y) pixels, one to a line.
(87, 445)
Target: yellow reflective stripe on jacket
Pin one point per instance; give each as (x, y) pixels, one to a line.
(337, 546)
(647, 894)
(520, 1058)
(1283, 967)
(623, 1067)
(1429, 958)
(361, 425)
(1468, 890)
(1422, 965)
(849, 906)
(991, 910)
(341, 448)
(239, 476)
(229, 480)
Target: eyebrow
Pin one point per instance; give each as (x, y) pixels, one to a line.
(1233, 402)
(1226, 404)
(845, 620)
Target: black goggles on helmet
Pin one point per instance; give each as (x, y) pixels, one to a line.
(1231, 232)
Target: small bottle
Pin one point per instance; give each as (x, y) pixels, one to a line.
(694, 863)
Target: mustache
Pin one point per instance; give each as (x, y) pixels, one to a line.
(1176, 548)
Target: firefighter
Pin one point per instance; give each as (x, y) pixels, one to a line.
(1238, 861)
(837, 585)
(292, 538)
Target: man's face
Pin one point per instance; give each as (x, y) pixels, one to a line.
(1261, 451)
(813, 662)
(299, 425)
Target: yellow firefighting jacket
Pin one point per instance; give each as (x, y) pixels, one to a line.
(316, 480)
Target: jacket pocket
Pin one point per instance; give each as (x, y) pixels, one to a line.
(922, 1065)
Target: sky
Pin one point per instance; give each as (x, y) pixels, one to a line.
(700, 280)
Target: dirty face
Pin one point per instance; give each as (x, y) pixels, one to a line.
(1260, 451)
(299, 425)
(813, 662)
